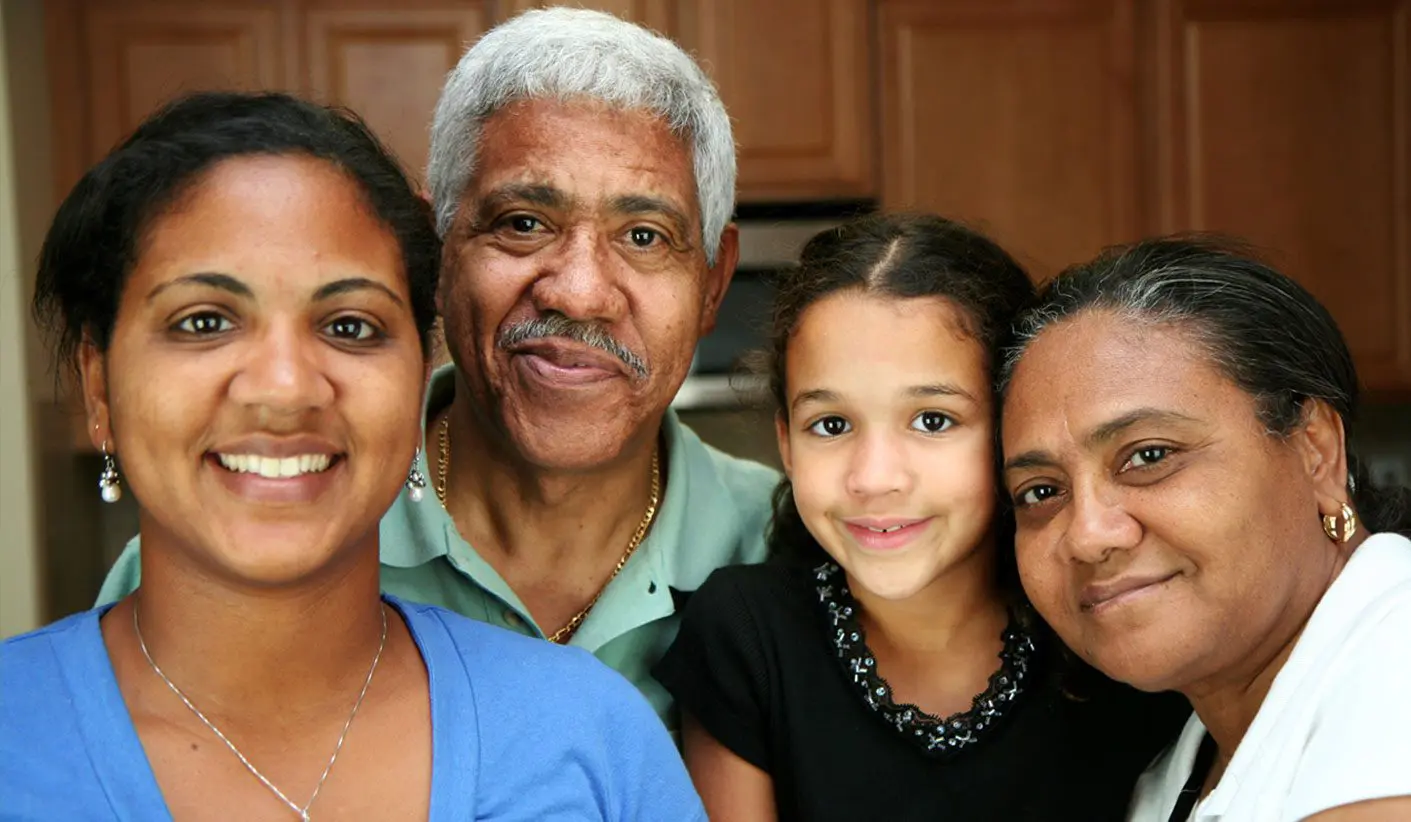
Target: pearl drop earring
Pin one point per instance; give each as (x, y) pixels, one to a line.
(108, 485)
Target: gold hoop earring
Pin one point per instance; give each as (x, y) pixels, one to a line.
(1340, 526)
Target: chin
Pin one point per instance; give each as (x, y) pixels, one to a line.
(278, 556)
(570, 441)
(1144, 667)
(892, 584)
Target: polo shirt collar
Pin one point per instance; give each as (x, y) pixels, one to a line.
(414, 534)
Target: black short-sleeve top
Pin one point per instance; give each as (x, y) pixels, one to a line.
(756, 664)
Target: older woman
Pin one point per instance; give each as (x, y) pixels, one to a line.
(248, 285)
(1176, 427)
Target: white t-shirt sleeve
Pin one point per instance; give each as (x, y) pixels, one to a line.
(1359, 746)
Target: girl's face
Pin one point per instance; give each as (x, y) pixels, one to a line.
(263, 383)
(887, 438)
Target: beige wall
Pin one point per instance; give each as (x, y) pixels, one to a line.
(21, 36)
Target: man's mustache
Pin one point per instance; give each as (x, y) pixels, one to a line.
(554, 324)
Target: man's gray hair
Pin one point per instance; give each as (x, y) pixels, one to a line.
(567, 54)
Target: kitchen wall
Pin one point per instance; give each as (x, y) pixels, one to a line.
(21, 607)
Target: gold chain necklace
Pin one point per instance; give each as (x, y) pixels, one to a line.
(337, 749)
(565, 633)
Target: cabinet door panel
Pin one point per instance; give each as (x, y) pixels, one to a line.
(794, 76)
(141, 55)
(1019, 117)
(1289, 127)
(389, 65)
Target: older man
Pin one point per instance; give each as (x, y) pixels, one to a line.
(582, 171)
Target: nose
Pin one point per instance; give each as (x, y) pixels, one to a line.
(879, 466)
(580, 280)
(1098, 526)
(281, 376)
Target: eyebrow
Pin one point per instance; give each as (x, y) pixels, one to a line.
(210, 279)
(351, 284)
(1107, 431)
(1100, 435)
(537, 194)
(822, 395)
(643, 204)
(940, 389)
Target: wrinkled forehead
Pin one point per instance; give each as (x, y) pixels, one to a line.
(586, 150)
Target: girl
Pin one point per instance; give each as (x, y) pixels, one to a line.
(884, 664)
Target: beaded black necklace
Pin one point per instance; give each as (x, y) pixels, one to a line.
(935, 736)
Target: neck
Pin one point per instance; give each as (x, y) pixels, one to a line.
(254, 652)
(1228, 702)
(957, 610)
(515, 511)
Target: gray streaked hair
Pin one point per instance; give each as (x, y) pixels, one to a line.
(1261, 329)
(566, 54)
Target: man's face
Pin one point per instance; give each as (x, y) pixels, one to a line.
(575, 285)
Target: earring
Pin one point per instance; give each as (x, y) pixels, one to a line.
(416, 482)
(108, 486)
(1340, 526)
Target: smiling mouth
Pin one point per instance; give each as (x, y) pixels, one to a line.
(276, 467)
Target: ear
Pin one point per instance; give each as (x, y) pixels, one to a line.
(719, 275)
(1322, 442)
(781, 433)
(93, 376)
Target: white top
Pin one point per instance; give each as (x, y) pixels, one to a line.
(1335, 727)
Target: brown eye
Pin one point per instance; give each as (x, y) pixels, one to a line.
(932, 422)
(643, 237)
(830, 427)
(1037, 495)
(204, 324)
(352, 329)
(523, 224)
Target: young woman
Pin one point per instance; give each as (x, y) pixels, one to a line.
(1191, 517)
(885, 664)
(247, 282)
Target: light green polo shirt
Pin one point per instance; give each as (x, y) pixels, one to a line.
(714, 513)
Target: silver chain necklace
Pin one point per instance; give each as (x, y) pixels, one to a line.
(304, 811)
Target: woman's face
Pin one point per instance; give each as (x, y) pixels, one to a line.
(887, 438)
(1166, 536)
(263, 382)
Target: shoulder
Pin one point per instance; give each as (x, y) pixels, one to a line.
(43, 759)
(507, 668)
(26, 654)
(765, 582)
(555, 730)
(747, 484)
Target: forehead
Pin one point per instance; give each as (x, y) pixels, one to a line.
(1097, 367)
(287, 214)
(588, 150)
(856, 342)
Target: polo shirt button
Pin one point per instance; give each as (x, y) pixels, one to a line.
(512, 619)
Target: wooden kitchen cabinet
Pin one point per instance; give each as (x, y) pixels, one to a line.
(1017, 116)
(388, 64)
(794, 75)
(113, 63)
(1289, 123)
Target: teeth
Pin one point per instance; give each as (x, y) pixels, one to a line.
(885, 530)
(275, 467)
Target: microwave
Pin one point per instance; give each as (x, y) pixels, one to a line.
(771, 238)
